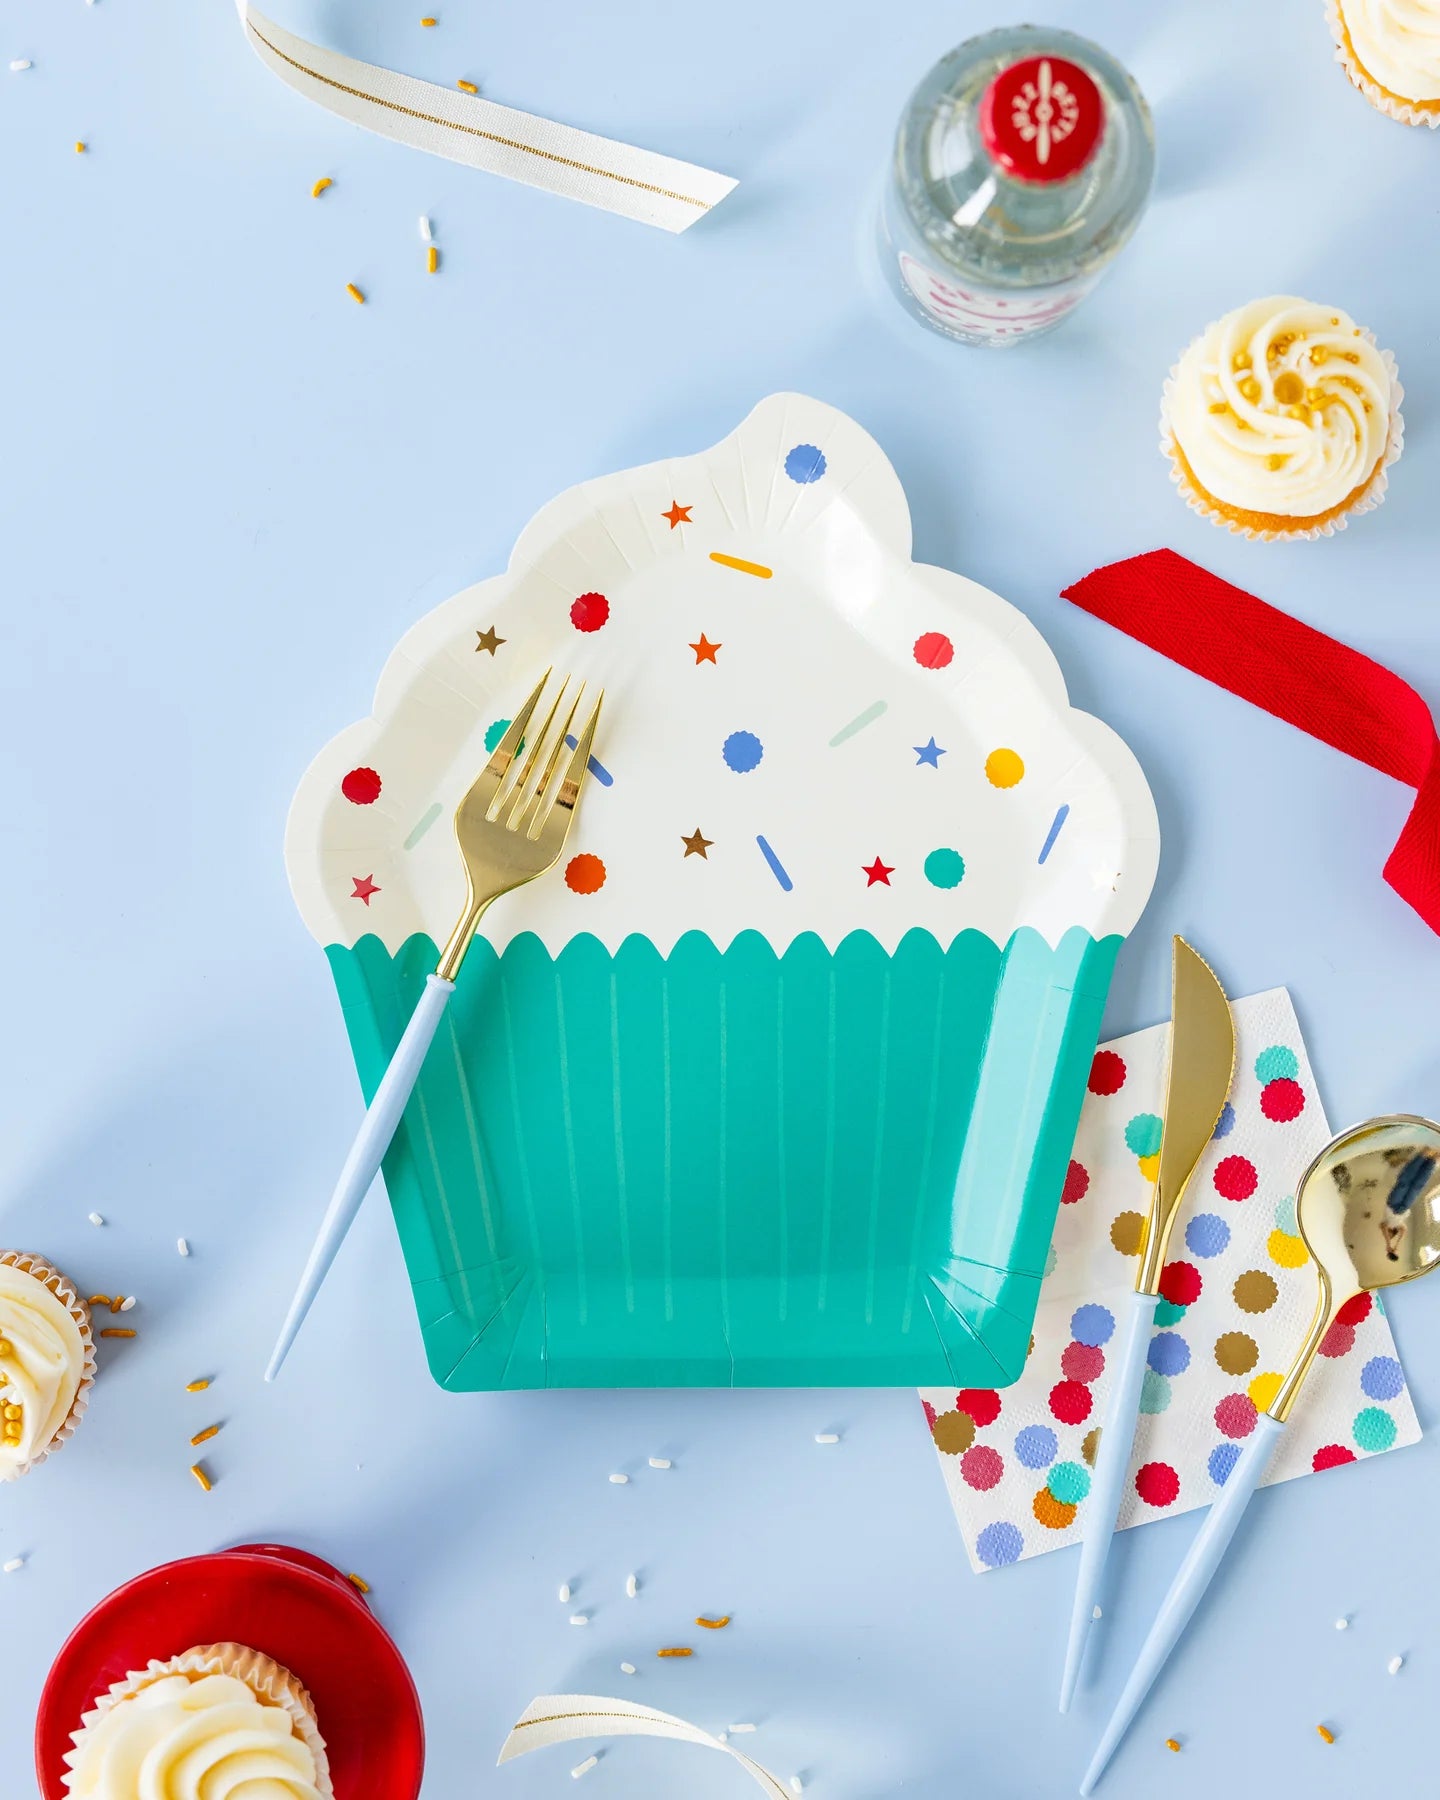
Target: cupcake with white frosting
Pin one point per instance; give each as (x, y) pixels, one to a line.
(47, 1361)
(1390, 49)
(221, 1719)
(1281, 419)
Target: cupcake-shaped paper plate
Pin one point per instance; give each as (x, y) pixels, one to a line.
(773, 1080)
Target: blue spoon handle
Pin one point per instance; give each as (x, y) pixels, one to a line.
(1112, 1465)
(1209, 1547)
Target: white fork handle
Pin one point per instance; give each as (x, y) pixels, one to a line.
(366, 1154)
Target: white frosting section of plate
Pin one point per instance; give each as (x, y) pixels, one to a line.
(1398, 44)
(845, 665)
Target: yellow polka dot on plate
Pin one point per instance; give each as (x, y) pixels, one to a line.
(1289, 1252)
(1263, 1389)
(1149, 1166)
(1003, 768)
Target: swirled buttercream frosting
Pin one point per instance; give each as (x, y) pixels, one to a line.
(1396, 43)
(42, 1362)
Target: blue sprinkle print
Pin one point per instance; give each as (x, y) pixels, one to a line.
(805, 463)
(597, 769)
(777, 868)
(1054, 831)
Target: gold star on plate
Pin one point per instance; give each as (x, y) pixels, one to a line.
(489, 641)
(697, 844)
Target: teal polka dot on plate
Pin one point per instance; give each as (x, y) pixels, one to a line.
(1168, 1312)
(1069, 1483)
(1143, 1134)
(1285, 1219)
(944, 868)
(1278, 1063)
(1154, 1392)
(1373, 1429)
(495, 733)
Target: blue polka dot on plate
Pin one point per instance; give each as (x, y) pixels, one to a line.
(742, 751)
(1223, 1459)
(1092, 1324)
(1225, 1124)
(805, 463)
(999, 1544)
(1382, 1378)
(1168, 1354)
(1036, 1446)
(1207, 1234)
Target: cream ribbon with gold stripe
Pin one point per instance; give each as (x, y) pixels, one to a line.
(657, 190)
(562, 1718)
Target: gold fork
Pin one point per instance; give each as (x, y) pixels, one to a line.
(511, 826)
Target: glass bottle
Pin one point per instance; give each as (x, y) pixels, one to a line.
(1022, 164)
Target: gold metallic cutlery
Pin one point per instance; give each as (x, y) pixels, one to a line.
(511, 826)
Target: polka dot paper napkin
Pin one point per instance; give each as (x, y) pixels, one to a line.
(1237, 1295)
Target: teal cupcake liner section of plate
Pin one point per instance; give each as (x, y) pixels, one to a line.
(732, 1168)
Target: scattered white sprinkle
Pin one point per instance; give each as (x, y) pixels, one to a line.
(742, 1728)
(827, 1437)
(632, 1587)
(97, 1218)
(627, 1668)
(15, 1562)
(128, 1303)
(797, 1786)
(579, 1618)
(1098, 1613)
(183, 1246)
(564, 1592)
(659, 1462)
(21, 62)
(722, 1737)
(1393, 1667)
(1342, 1624)
(425, 232)
(620, 1480)
(583, 1768)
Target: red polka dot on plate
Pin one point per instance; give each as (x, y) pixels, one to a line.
(1331, 1456)
(1282, 1099)
(361, 786)
(585, 874)
(933, 650)
(1355, 1310)
(1180, 1283)
(982, 1404)
(930, 1414)
(1107, 1073)
(1082, 1362)
(981, 1467)
(1339, 1340)
(1235, 1178)
(1077, 1183)
(1236, 1415)
(1156, 1483)
(589, 612)
(1070, 1401)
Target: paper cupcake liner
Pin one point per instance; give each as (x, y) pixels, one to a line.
(1371, 493)
(64, 1292)
(265, 1678)
(1394, 106)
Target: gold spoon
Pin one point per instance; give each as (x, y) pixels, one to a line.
(1369, 1211)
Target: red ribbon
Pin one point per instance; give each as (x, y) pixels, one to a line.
(1294, 672)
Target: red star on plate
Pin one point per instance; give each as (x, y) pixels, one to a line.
(678, 514)
(878, 872)
(364, 887)
(705, 650)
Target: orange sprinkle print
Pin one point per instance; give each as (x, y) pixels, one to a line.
(585, 874)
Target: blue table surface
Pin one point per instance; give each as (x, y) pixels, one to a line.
(228, 491)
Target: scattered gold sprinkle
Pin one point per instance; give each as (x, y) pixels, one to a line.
(1276, 461)
(201, 1477)
(117, 1303)
(80, 147)
(467, 87)
(98, 1300)
(1172, 1743)
(1327, 1736)
(117, 1331)
(674, 1652)
(432, 259)
(197, 1387)
(1240, 360)
(204, 1437)
(354, 293)
(359, 1581)
(320, 187)
(427, 23)
(714, 1624)
(1250, 388)
(1219, 406)
(1289, 388)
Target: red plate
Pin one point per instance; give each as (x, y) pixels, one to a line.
(285, 1603)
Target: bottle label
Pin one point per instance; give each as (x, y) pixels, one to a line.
(990, 315)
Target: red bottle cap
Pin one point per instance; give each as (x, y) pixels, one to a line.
(1042, 119)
